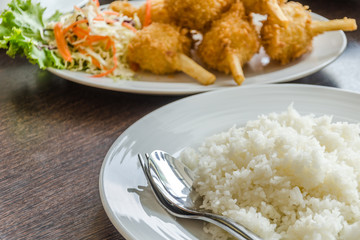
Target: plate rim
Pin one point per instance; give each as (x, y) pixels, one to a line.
(123, 230)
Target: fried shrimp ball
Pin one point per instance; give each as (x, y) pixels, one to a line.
(162, 49)
(196, 14)
(155, 48)
(269, 7)
(158, 12)
(123, 7)
(285, 43)
(230, 43)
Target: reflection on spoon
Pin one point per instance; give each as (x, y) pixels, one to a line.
(172, 182)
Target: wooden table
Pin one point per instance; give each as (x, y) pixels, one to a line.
(54, 135)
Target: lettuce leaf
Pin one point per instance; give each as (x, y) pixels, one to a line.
(22, 33)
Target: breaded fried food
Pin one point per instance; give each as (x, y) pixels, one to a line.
(162, 49)
(123, 7)
(230, 43)
(196, 14)
(268, 7)
(286, 43)
(158, 12)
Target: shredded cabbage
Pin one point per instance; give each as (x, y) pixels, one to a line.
(83, 56)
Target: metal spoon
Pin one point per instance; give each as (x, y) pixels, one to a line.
(163, 202)
(172, 182)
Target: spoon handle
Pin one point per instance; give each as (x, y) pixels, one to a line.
(235, 229)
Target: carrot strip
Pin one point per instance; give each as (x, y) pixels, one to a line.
(82, 51)
(147, 19)
(102, 19)
(104, 73)
(96, 38)
(61, 42)
(128, 26)
(96, 2)
(74, 24)
(108, 44)
(111, 13)
(98, 18)
(96, 62)
(80, 32)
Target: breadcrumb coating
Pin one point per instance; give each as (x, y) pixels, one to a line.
(285, 44)
(259, 6)
(156, 46)
(123, 7)
(158, 12)
(196, 14)
(233, 33)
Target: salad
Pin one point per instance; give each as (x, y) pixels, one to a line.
(90, 39)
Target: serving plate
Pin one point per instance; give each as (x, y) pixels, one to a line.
(125, 194)
(260, 70)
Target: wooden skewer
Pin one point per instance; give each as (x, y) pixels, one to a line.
(275, 11)
(235, 67)
(346, 24)
(191, 68)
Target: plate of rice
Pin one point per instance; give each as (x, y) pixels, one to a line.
(283, 160)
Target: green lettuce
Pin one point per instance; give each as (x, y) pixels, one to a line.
(22, 33)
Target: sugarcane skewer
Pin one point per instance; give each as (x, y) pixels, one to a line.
(235, 67)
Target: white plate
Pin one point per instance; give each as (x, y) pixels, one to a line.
(326, 48)
(124, 192)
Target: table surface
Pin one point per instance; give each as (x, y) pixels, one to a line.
(54, 135)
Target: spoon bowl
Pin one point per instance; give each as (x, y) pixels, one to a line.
(172, 183)
(163, 202)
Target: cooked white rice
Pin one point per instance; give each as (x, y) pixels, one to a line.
(283, 176)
